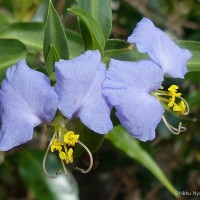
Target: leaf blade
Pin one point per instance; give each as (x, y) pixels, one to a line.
(51, 59)
(130, 146)
(54, 34)
(97, 37)
(31, 34)
(11, 51)
(101, 11)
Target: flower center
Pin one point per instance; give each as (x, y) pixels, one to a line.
(63, 141)
(170, 97)
(175, 102)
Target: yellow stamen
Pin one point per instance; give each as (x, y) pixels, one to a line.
(70, 138)
(173, 89)
(171, 102)
(62, 155)
(170, 98)
(69, 156)
(173, 93)
(57, 143)
(61, 142)
(180, 108)
(55, 147)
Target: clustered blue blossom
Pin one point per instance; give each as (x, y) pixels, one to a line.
(85, 89)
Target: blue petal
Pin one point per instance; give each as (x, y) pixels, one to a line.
(27, 99)
(127, 87)
(78, 85)
(160, 48)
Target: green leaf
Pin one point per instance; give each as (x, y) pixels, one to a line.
(116, 46)
(131, 147)
(51, 59)
(194, 63)
(75, 43)
(30, 168)
(11, 52)
(31, 34)
(101, 11)
(54, 34)
(5, 19)
(96, 34)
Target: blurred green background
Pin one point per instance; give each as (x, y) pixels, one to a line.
(115, 176)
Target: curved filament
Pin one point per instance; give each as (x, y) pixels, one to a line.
(91, 159)
(64, 167)
(172, 129)
(45, 158)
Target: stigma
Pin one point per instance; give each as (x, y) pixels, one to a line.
(172, 98)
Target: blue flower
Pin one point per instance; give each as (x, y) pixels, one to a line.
(79, 86)
(128, 87)
(160, 48)
(26, 100)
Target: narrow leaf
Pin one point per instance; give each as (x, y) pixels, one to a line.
(131, 147)
(75, 43)
(54, 34)
(31, 34)
(11, 52)
(101, 11)
(96, 34)
(51, 59)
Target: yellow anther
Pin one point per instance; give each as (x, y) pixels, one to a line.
(170, 97)
(69, 156)
(180, 108)
(62, 155)
(70, 138)
(57, 143)
(55, 147)
(173, 88)
(171, 102)
(173, 91)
